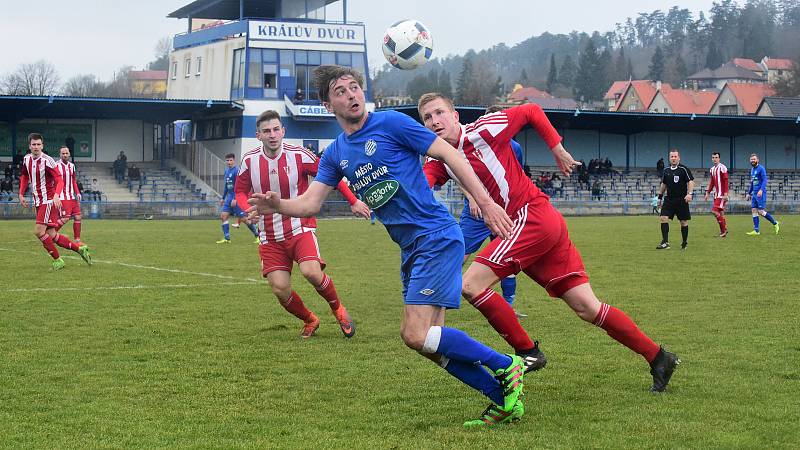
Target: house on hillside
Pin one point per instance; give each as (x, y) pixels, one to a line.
(614, 94)
(777, 68)
(727, 73)
(638, 95)
(683, 101)
(749, 64)
(740, 99)
(542, 98)
(148, 83)
(779, 107)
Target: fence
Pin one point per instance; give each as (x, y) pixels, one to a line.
(203, 163)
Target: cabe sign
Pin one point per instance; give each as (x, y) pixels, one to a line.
(306, 32)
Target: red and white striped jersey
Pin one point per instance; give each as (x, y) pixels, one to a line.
(486, 144)
(718, 180)
(287, 174)
(67, 172)
(42, 176)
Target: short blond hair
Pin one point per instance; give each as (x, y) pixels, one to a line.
(431, 96)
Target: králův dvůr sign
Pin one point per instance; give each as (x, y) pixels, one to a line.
(290, 31)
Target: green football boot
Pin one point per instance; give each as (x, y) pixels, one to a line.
(494, 415)
(83, 250)
(58, 264)
(777, 227)
(510, 380)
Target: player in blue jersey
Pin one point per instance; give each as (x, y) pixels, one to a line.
(757, 194)
(228, 202)
(379, 154)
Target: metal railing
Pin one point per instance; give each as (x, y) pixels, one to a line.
(203, 163)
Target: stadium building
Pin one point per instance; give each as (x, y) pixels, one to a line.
(261, 54)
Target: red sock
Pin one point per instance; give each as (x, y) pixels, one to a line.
(47, 243)
(620, 327)
(63, 241)
(328, 291)
(723, 224)
(294, 304)
(503, 319)
(76, 230)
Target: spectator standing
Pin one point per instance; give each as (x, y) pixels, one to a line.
(660, 168)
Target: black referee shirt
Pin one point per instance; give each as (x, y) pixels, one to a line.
(677, 181)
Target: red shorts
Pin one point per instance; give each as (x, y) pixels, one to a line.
(70, 208)
(48, 215)
(540, 247)
(281, 255)
(719, 205)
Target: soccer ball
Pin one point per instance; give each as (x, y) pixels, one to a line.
(407, 44)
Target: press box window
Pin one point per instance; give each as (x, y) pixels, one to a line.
(188, 63)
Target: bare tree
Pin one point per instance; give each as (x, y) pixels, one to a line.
(38, 78)
(120, 86)
(162, 49)
(83, 86)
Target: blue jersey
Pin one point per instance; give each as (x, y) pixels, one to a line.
(230, 179)
(758, 179)
(382, 163)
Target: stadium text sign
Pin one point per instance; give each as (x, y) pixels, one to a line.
(305, 32)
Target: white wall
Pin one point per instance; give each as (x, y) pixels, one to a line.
(110, 136)
(214, 81)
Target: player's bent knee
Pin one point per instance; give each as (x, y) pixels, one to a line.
(412, 339)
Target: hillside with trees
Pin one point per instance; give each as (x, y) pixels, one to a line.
(659, 45)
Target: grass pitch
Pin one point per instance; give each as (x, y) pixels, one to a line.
(172, 341)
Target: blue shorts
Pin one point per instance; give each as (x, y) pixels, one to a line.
(474, 230)
(227, 208)
(759, 203)
(431, 269)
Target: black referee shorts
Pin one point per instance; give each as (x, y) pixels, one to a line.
(679, 207)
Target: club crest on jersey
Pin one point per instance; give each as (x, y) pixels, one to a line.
(370, 147)
(343, 164)
(676, 178)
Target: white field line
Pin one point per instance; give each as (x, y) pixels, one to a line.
(135, 286)
(137, 266)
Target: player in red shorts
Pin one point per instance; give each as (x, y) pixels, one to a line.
(39, 171)
(71, 196)
(718, 183)
(284, 168)
(540, 245)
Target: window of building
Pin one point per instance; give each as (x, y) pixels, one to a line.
(328, 58)
(217, 128)
(729, 110)
(188, 63)
(344, 59)
(174, 69)
(237, 80)
(199, 64)
(270, 79)
(254, 69)
(209, 130)
(232, 127)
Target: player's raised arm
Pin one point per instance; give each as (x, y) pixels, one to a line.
(494, 215)
(305, 205)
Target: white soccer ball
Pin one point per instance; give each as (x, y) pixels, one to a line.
(407, 44)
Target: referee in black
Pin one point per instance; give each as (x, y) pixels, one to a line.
(678, 183)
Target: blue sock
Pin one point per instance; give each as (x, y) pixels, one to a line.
(476, 377)
(253, 229)
(768, 216)
(226, 230)
(755, 222)
(457, 345)
(509, 287)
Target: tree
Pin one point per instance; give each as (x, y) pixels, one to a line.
(657, 65)
(675, 70)
(418, 85)
(120, 86)
(757, 28)
(714, 57)
(464, 78)
(552, 75)
(162, 49)
(83, 86)
(38, 78)
(568, 72)
(523, 78)
(589, 83)
(445, 85)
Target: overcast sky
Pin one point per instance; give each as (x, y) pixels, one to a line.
(96, 37)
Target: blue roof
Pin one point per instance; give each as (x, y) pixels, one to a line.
(16, 108)
(230, 9)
